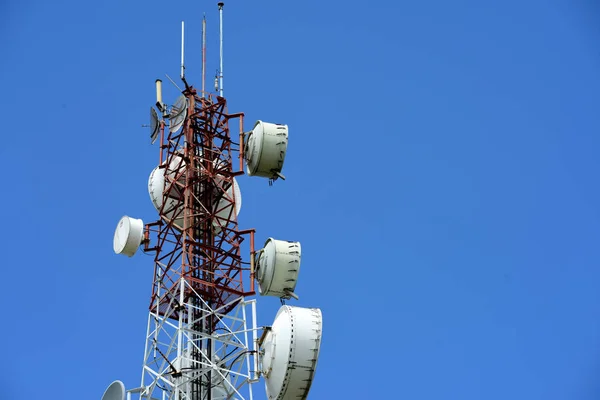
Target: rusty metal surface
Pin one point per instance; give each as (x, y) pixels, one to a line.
(206, 251)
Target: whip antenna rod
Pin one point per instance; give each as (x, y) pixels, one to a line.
(221, 48)
(182, 42)
(203, 53)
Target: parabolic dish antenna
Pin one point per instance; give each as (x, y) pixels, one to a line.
(290, 351)
(178, 113)
(277, 267)
(173, 206)
(224, 205)
(115, 391)
(222, 388)
(154, 125)
(156, 189)
(237, 193)
(265, 149)
(128, 236)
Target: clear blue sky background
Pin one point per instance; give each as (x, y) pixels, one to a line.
(442, 178)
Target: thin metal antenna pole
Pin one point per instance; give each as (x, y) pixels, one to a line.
(221, 48)
(173, 82)
(182, 38)
(203, 53)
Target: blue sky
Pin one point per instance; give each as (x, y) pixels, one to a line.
(442, 179)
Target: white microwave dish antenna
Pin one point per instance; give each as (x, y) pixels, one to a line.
(178, 114)
(224, 206)
(128, 236)
(277, 268)
(154, 125)
(173, 206)
(266, 147)
(114, 391)
(290, 352)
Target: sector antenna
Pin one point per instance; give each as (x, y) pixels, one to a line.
(202, 340)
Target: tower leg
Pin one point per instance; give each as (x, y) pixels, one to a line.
(183, 359)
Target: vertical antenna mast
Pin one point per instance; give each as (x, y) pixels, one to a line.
(203, 53)
(221, 48)
(182, 65)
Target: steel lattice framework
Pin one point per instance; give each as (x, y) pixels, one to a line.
(201, 337)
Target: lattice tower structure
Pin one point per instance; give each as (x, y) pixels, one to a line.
(201, 326)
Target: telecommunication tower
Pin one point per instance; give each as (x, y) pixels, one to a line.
(202, 340)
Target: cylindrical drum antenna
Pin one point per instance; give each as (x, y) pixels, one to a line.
(159, 101)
